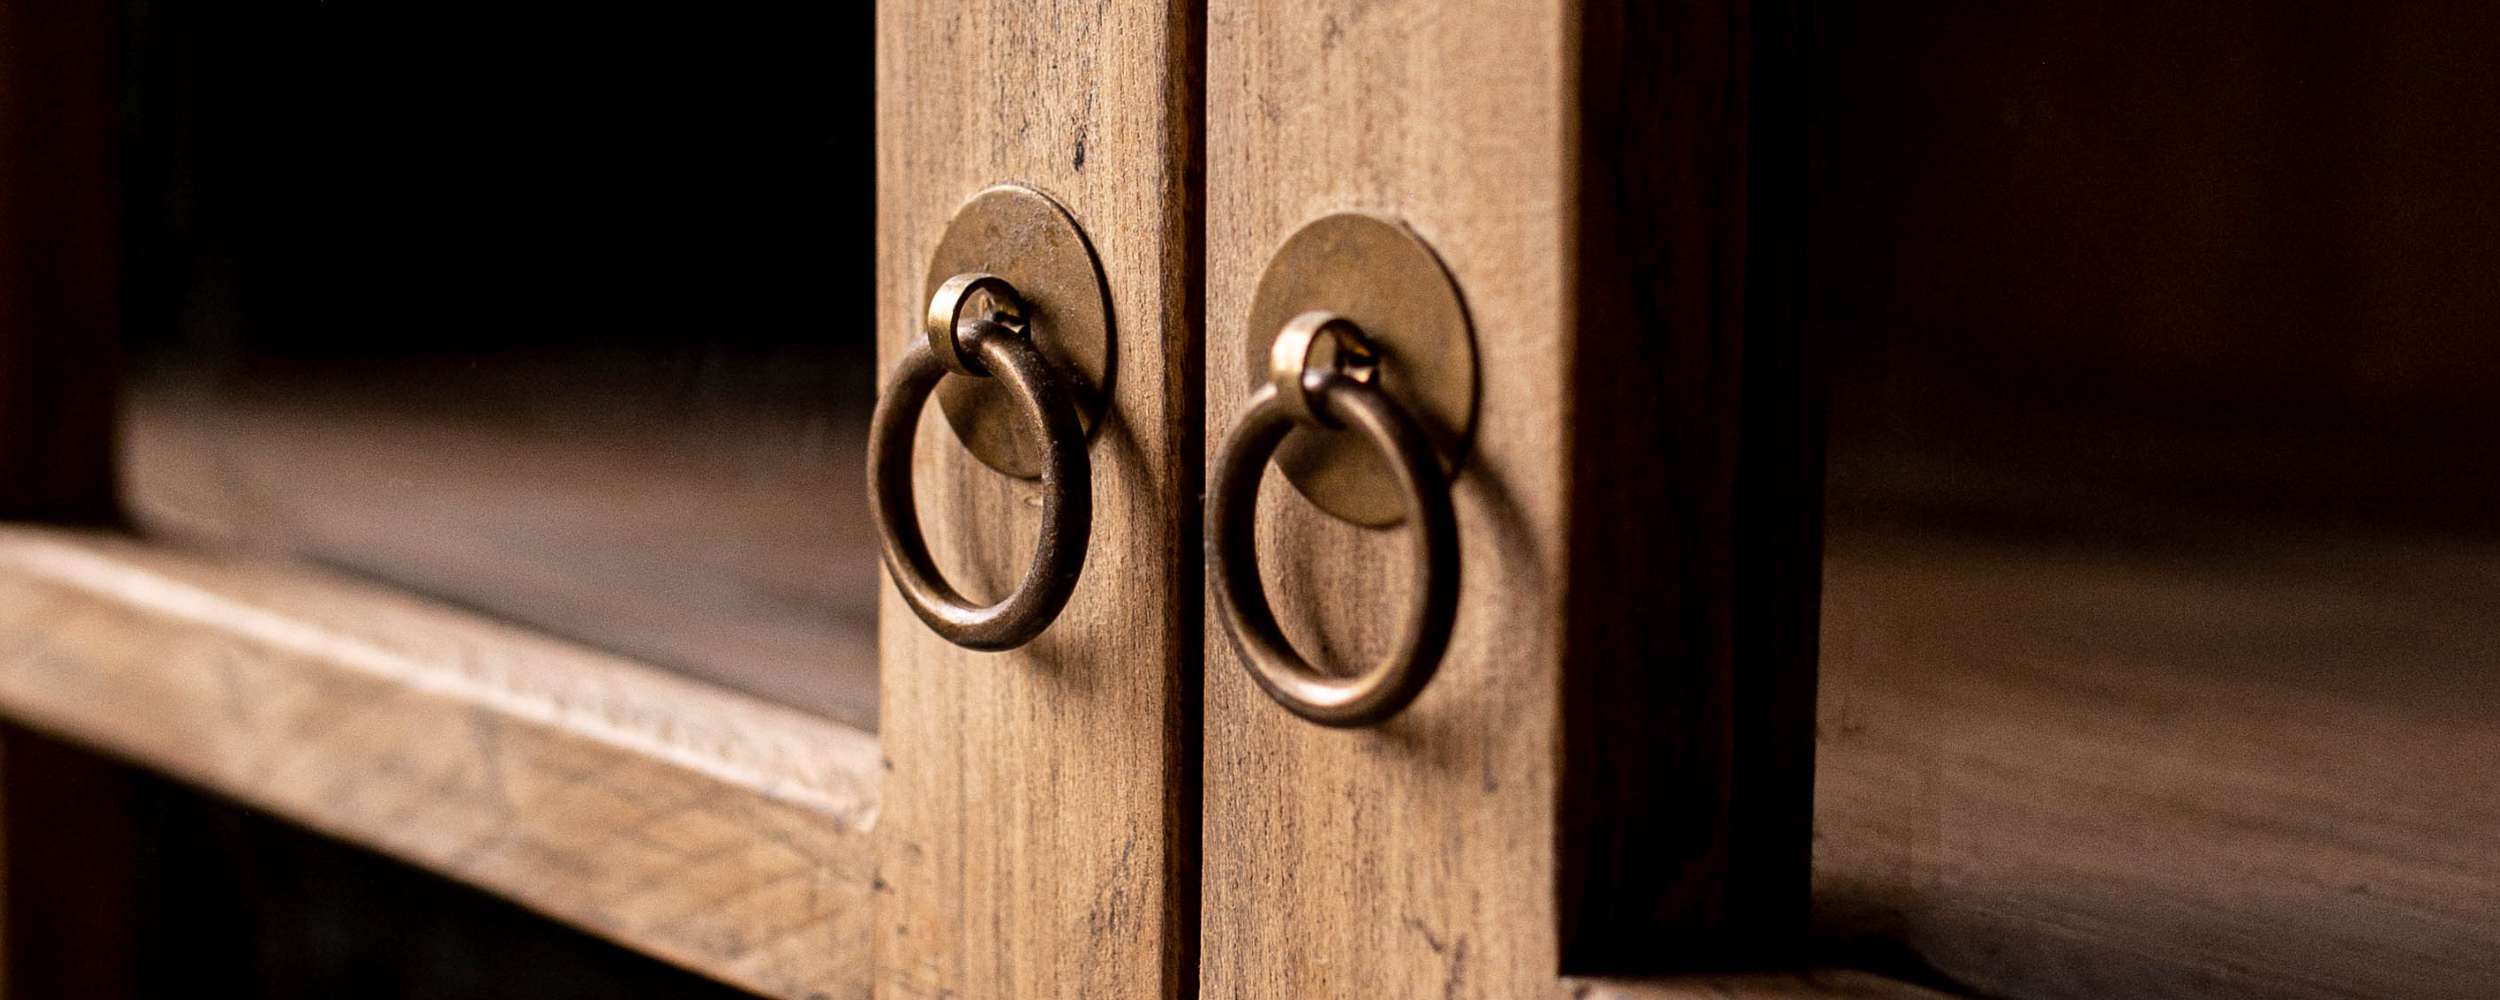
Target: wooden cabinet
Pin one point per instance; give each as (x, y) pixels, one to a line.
(1609, 772)
(2141, 670)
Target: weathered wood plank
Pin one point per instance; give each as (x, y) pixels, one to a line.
(712, 830)
(1039, 836)
(1415, 858)
(1610, 772)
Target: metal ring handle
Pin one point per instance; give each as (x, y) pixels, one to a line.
(1233, 561)
(1066, 485)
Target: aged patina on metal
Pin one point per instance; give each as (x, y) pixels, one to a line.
(991, 348)
(1322, 377)
(1378, 275)
(1025, 239)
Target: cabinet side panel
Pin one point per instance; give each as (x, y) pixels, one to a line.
(1696, 498)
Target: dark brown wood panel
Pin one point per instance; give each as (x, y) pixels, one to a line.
(59, 258)
(1696, 495)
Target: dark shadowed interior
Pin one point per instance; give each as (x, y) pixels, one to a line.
(2160, 594)
(554, 311)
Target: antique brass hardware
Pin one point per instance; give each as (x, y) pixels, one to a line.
(1322, 376)
(1033, 245)
(1379, 276)
(1028, 283)
(1364, 368)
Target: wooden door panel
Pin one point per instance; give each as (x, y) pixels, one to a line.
(1610, 772)
(1038, 835)
(1395, 861)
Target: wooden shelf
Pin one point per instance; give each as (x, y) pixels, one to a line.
(705, 827)
(2257, 762)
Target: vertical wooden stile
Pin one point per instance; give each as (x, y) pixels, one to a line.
(1612, 771)
(1038, 832)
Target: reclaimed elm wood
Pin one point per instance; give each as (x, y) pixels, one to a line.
(1611, 771)
(706, 828)
(1039, 833)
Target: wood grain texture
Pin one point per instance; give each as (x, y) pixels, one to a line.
(1415, 858)
(2263, 764)
(717, 832)
(1819, 984)
(1039, 836)
(1604, 691)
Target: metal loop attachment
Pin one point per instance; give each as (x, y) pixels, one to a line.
(1310, 390)
(946, 315)
(984, 347)
(1311, 344)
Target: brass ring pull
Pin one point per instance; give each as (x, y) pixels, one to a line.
(1308, 388)
(989, 346)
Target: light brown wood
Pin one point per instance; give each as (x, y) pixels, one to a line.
(704, 827)
(1039, 835)
(2262, 765)
(1608, 773)
(1820, 984)
(1415, 858)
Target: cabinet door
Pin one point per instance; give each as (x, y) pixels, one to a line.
(1610, 771)
(1037, 835)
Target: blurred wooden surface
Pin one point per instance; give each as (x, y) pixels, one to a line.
(718, 832)
(1040, 834)
(2241, 209)
(726, 542)
(138, 886)
(2160, 614)
(2268, 767)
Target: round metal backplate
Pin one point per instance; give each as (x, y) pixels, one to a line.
(1021, 235)
(1380, 275)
